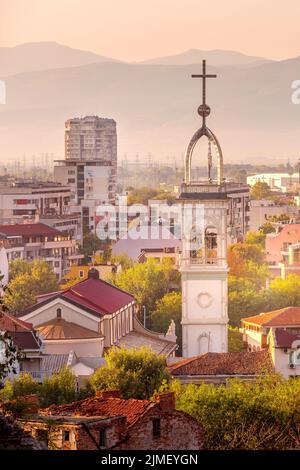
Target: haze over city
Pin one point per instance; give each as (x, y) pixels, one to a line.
(132, 61)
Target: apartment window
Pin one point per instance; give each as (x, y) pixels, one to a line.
(66, 436)
(102, 438)
(71, 180)
(81, 273)
(156, 427)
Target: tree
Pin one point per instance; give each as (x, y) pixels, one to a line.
(22, 290)
(235, 339)
(247, 260)
(242, 415)
(260, 190)
(256, 238)
(148, 281)
(9, 355)
(60, 388)
(17, 267)
(168, 308)
(137, 373)
(20, 386)
(91, 243)
(123, 259)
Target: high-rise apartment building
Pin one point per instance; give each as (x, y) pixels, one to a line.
(90, 165)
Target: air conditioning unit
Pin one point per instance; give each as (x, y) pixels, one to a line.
(292, 366)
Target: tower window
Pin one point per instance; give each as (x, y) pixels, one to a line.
(156, 427)
(67, 436)
(58, 313)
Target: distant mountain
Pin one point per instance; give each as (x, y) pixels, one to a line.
(42, 56)
(218, 58)
(155, 107)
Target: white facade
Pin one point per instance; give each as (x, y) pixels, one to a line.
(277, 181)
(204, 283)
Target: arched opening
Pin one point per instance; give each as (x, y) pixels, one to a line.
(204, 343)
(211, 245)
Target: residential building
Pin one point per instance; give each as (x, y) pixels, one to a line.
(262, 210)
(69, 224)
(142, 242)
(256, 328)
(90, 165)
(218, 368)
(283, 182)
(28, 342)
(88, 317)
(284, 346)
(39, 241)
(105, 271)
(20, 201)
(108, 422)
(282, 246)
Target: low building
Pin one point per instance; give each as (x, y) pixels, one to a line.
(81, 272)
(284, 346)
(283, 182)
(217, 368)
(282, 246)
(89, 317)
(255, 329)
(112, 423)
(39, 241)
(261, 210)
(27, 341)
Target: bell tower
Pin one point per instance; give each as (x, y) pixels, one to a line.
(203, 267)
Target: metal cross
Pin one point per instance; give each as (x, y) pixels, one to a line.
(203, 109)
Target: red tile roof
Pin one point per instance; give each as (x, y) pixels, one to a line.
(232, 363)
(12, 230)
(98, 296)
(285, 339)
(11, 324)
(283, 317)
(98, 406)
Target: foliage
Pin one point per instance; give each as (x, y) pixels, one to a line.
(255, 238)
(58, 388)
(148, 281)
(90, 244)
(260, 190)
(9, 355)
(245, 415)
(140, 195)
(137, 373)
(123, 259)
(22, 290)
(267, 227)
(168, 308)
(235, 339)
(247, 260)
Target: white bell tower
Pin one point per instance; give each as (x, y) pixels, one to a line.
(204, 245)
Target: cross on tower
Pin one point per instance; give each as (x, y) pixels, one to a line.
(203, 109)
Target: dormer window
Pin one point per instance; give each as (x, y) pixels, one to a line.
(58, 313)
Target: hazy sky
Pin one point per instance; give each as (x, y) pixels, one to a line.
(142, 29)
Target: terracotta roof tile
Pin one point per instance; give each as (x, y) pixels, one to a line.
(232, 363)
(95, 406)
(12, 230)
(285, 339)
(10, 323)
(282, 317)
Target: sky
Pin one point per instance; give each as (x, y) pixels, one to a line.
(134, 30)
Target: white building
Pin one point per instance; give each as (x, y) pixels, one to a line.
(277, 181)
(262, 210)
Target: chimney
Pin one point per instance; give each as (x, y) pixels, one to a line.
(104, 394)
(166, 401)
(93, 274)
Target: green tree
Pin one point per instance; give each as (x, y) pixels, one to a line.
(17, 267)
(235, 339)
(90, 244)
(137, 373)
(260, 190)
(242, 415)
(123, 259)
(168, 308)
(256, 238)
(59, 388)
(20, 386)
(147, 281)
(22, 290)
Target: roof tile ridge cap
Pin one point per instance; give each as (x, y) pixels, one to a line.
(277, 313)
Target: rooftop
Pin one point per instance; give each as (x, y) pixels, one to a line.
(285, 339)
(31, 230)
(231, 363)
(61, 329)
(98, 296)
(283, 317)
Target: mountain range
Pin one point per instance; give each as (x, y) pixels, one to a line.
(154, 102)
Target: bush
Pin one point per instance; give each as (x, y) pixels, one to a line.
(59, 388)
(137, 373)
